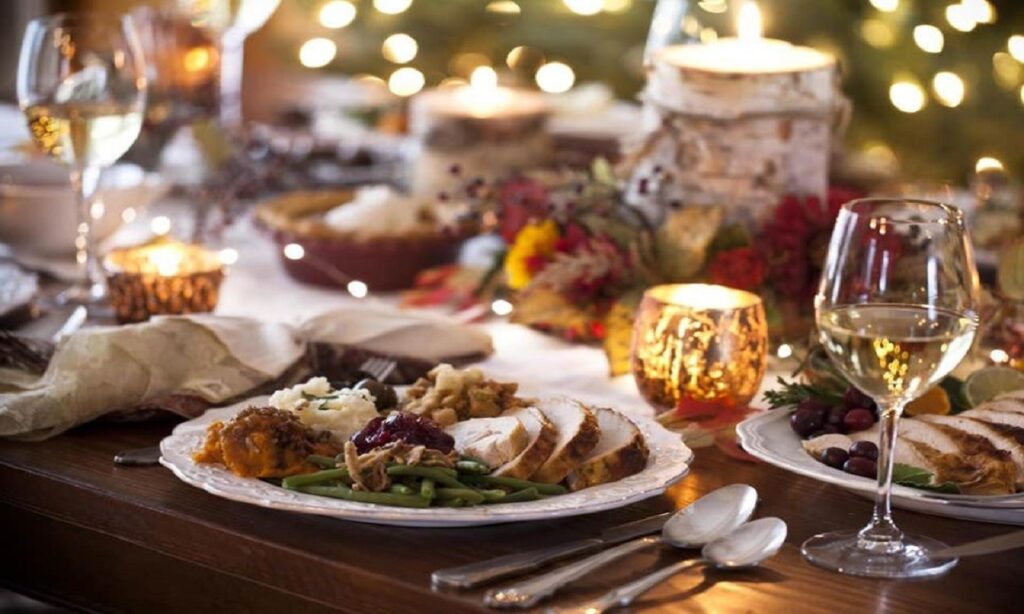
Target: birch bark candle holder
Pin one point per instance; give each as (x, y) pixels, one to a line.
(737, 123)
(482, 130)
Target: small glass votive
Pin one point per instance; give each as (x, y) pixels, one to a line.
(162, 277)
(701, 342)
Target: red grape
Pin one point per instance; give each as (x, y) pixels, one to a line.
(834, 457)
(864, 449)
(861, 466)
(805, 421)
(858, 420)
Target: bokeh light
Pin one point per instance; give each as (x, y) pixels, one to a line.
(887, 6)
(399, 48)
(555, 77)
(988, 163)
(907, 96)
(406, 81)
(337, 14)
(584, 7)
(929, 38)
(392, 7)
(949, 88)
(317, 52)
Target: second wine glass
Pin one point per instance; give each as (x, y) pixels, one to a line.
(82, 87)
(896, 312)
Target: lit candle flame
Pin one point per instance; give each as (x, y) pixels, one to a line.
(748, 24)
(483, 96)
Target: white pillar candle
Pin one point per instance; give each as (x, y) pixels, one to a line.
(485, 130)
(737, 122)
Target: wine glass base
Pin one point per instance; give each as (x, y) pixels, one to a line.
(842, 552)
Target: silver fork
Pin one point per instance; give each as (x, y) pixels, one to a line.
(379, 367)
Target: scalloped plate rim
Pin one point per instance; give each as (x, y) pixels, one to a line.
(669, 464)
(754, 436)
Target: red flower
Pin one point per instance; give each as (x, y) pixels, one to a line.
(520, 200)
(742, 268)
(794, 241)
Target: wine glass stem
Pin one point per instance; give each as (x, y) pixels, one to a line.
(84, 182)
(232, 64)
(881, 535)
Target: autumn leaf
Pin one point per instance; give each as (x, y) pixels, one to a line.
(618, 323)
(682, 241)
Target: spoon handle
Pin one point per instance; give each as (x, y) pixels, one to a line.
(527, 593)
(627, 593)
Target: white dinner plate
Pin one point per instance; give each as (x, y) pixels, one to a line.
(768, 436)
(668, 463)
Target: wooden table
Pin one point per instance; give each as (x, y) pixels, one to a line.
(79, 531)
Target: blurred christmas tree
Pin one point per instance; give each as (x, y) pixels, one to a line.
(935, 85)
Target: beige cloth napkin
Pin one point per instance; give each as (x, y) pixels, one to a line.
(204, 359)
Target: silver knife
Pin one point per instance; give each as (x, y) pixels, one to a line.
(991, 545)
(475, 574)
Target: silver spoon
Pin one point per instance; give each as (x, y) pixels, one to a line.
(714, 515)
(745, 547)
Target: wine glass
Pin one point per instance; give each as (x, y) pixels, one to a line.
(896, 312)
(82, 87)
(232, 21)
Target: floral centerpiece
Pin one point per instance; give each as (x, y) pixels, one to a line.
(575, 257)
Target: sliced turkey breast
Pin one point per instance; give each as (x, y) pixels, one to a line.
(996, 417)
(543, 437)
(1007, 438)
(578, 434)
(494, 441)
(620, 452)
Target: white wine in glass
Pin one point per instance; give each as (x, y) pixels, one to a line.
(896, 313)
(82, 87)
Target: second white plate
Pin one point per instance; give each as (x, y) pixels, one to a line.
(768, 437)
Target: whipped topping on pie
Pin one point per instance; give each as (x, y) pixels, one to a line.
(379, 209)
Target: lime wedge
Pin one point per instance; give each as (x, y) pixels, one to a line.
(988, 383)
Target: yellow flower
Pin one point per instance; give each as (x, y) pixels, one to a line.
(535, 242)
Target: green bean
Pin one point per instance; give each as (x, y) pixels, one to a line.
(401, 489)
(427, 489)
(492, 495)
(526, 494)
(380, 498)
(433, 473)
(326, 462)
(514, 484)
(469, 495)
(295, 482)
(472, 467)
(456, 502)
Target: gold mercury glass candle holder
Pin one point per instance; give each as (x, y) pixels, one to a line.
(702, 342)
(162, 277)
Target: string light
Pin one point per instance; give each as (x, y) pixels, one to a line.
(961, 17)
(886, 6)
(160, 225)
(1016, 47)
(405, 81)
(708, 35)
(617, 6)
(337, 14)
(907, 96)
(392, 7)
(97, 209)
(988, 163)
(999, 356)
(1006, 70)
(357, 288)
(501, 307)
(294, 251)
(399, 48)
(713, 6)
(584, 7)
(877, 33)
(555, 77)
(980, 11)
(929, 38)
(1022, 94)
(317, 52)
(128, 215)
(484, 77)
(228, 256)
(784, 351)
(948, 88)
(505, 7)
